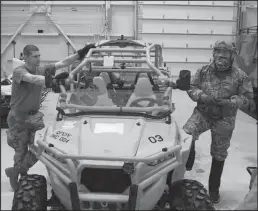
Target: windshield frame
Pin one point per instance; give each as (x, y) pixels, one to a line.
(151, 69)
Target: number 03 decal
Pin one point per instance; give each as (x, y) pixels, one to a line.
(155, 139)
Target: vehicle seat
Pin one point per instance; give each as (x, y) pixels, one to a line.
(110, 88)
(143, 89)
(106, 77)
(103, 99)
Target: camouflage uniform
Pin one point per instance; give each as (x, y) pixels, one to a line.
(219, 119)
(24, 119)
(219, 89)
(20, 135)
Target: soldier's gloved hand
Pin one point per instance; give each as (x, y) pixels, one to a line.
(82, 52)
(207, 99)
(62, 75)
(60, 79)
(224, 102)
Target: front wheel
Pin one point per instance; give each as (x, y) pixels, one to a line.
(31, 193)
(185, 195)
(189, 195)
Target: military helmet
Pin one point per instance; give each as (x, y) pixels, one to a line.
(224, 45)
(223, 64)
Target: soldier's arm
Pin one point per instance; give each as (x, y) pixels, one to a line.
(21, 74)
(195, 91)
(34, 79)
(67, 61)
(44, 77)
(79, 55)
(244, 98)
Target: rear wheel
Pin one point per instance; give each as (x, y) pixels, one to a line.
(31, 193)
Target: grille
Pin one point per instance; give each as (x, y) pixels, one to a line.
(105, 180)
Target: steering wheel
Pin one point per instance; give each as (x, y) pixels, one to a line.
(136, 102)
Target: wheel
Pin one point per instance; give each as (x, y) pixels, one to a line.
(31, 193)
(189, 195)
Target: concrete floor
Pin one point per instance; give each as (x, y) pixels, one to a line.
(235, 179)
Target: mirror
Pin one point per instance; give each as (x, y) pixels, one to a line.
(183, 82)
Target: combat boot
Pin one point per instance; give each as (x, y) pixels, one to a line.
(214, 180)
(191, 158)
(13, 174)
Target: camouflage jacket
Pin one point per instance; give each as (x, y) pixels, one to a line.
(235, 86)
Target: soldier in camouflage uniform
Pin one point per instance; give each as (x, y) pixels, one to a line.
(219, 89)
(24, 118)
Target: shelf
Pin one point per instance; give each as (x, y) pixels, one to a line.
(175, 19)
(158, 33)
(185, 5)
(40, 34)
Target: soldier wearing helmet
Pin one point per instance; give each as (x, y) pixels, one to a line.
(219, 89)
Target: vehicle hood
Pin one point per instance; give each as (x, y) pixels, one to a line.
(98, 136)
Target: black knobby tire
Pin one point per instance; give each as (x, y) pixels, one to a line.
(31, 193)
(189, 195)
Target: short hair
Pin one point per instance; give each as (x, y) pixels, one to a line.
(28, 49)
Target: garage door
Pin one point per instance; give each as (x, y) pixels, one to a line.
(80, 20)
(187, 30)
(122, 19)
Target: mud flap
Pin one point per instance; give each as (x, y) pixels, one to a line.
(132, 197)
(179, 172)
(75, 201)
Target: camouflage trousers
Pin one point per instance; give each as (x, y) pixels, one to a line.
(20, 135)
(221, 132)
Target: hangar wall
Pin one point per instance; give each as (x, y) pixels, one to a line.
(186, 29)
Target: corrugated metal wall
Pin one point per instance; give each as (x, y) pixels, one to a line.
(122, 19)
(186, 29)
(250, 14)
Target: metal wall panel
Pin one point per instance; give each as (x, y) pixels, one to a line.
(195, 27)
(12, 16)
(80, 19)
(201, 3)
(187, 30)
(183, 12)
(186, 55)
(184, 40)
(122, 19)
(250, 14)
(39, 22)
